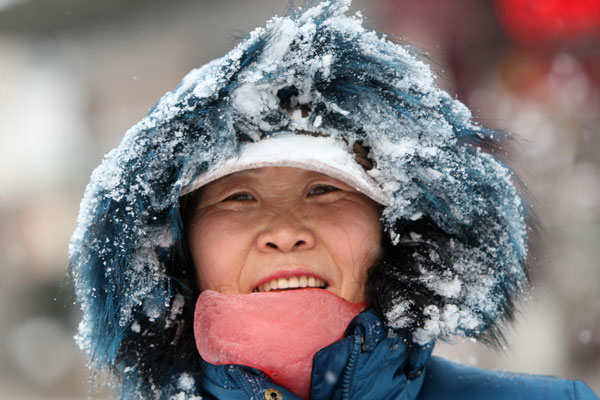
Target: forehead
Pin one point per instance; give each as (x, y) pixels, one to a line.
(267, 176)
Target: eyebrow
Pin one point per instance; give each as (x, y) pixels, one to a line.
(251, 176)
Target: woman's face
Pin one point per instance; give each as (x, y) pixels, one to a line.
(274, 228)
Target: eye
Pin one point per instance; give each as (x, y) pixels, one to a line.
(322, 189)
(239, 196)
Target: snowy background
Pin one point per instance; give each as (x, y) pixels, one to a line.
(75, 75)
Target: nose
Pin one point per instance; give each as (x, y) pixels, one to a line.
(284, 234)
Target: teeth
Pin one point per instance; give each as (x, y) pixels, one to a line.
(292, 283)
(303, 281)
(282, 283)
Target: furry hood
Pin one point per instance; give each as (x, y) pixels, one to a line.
(317, 71)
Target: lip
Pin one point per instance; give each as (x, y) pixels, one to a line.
(288, 273)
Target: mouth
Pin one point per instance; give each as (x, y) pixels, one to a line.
(291, 283)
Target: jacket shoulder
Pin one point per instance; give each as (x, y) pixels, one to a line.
(448, 380)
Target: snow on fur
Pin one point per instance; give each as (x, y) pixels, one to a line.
(357, 86)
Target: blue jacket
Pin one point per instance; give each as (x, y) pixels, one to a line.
(369, 363)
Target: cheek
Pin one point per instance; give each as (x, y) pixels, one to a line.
(355, 234)
(216, 247)
(366, 245)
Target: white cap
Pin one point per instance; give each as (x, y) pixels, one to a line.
(319, 154)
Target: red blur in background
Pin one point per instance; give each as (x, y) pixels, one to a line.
(532, 21)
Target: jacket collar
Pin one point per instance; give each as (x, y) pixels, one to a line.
(354, 367)
(358, 365)
(369, 324)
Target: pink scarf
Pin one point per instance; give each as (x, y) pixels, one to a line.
(275, 332)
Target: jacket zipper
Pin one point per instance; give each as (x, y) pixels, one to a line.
(350, 367)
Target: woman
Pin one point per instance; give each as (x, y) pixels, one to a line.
(316, 156)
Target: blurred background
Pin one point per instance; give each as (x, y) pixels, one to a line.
(75, 75)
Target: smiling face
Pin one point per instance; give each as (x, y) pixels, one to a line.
(277, 228)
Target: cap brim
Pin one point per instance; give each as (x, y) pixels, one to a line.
(319, 154)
